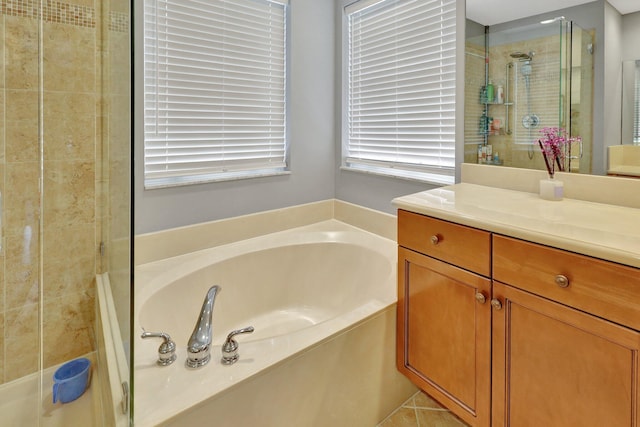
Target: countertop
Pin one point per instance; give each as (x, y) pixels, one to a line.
(600, 230)
(624, 170)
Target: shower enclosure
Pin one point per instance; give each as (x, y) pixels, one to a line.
(64, 194)
(545, 72)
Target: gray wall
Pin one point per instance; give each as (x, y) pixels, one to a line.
(375, 191)
(611, 133)
(311, 124)
(315, 137)
(631, 36)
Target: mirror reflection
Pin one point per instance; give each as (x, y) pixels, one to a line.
(549, 71)
(631, 102)
(535, 77)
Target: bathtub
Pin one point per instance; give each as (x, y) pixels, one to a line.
(322, 300)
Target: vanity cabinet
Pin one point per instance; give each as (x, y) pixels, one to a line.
(541, 337)
(564, 338)
(444, 315)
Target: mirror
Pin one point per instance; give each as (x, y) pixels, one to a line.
(597, 18)
(631, 102)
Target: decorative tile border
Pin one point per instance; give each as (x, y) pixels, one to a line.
(119, 22)
(52, 11)
(23, 8)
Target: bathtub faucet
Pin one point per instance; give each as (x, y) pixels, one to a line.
(199, 346)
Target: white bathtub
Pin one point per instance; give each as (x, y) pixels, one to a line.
(322, 301)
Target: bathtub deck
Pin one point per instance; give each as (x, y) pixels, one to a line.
(421, 410)
(20, 404)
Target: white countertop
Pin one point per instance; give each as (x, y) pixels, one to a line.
(624, 170)
(600, 230)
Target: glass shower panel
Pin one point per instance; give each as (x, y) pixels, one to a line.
(21, 209)
(581, 99)
(52, 213)
(533, 54)
(475, 78)
(544, 72)
(116, 185)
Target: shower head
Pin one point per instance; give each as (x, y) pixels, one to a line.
(521, 56)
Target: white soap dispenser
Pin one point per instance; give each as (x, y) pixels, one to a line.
(500, 95)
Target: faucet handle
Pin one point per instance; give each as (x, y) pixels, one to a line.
(166, 351)
(230, 347)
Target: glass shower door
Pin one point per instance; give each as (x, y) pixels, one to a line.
(54, 133)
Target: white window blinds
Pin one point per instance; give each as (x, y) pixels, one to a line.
(401, 88)
(636, 107)
(214, 83)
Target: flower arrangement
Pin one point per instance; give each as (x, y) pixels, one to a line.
(553, 145)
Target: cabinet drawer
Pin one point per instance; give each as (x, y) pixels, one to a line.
(599, 287)
(460, 245)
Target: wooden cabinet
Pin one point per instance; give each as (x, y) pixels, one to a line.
(544, 338)
(444, 316)
(559, 359)
(555, 366)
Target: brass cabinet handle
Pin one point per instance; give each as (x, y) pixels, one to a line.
(435, 239)
(481, 298)
(562, 281)
(495, 303)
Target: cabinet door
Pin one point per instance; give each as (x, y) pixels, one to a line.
(444, 324)
(554, 366)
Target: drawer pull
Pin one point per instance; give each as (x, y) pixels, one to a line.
(495, 303)
(562, 281)
(435, 239)
(481, 298)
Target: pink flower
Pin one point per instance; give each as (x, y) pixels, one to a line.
(554, 145)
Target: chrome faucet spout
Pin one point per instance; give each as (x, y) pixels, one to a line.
(198, 348)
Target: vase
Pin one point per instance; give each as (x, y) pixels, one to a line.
(551, 189)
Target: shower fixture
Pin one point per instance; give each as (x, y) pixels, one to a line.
(529, 120)
(525, 69)
(521, 56)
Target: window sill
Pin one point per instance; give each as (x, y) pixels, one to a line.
(427, 178)
(211, 178)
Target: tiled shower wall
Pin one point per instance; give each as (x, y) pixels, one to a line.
(52, 193)
(514, 148)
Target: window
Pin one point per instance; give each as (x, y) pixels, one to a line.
(401, 88)
(636, 106)
(214, 83)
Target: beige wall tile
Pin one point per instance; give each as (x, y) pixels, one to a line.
(21, 133)
(21, 342)
(3, 196)
(21, 53)
(88, 3)
(69, 58)
(2, 63)
(2, 291)
(77, 119)
(69, 193)
(68, 327)
(69, 126)
(22, 270)
(2, 121)
(21, 200)
(69, 260)
(2, 347)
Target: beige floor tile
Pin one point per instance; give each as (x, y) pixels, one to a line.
(437, 418)
(421, 411)
(422, 400)
(402, 417)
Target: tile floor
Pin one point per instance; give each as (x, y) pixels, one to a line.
(421, 411)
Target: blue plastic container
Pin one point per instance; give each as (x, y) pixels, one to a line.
(70, 380)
